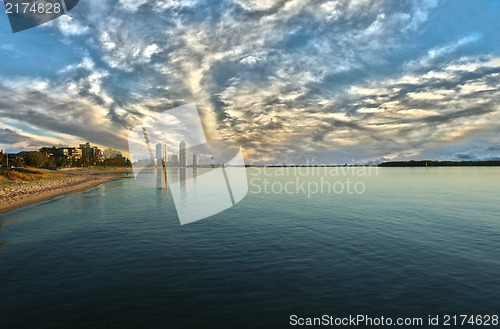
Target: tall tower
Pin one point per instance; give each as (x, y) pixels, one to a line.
(158, 154)
(183, 154)
(161, 154)
(195, 160)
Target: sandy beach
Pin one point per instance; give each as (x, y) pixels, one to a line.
(21, 194)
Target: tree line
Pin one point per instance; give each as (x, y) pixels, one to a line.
(41, 159)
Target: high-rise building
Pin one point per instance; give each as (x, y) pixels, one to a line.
(91, 153)
(161, 154)
(195, 160)
(183, 154)
(175, 161)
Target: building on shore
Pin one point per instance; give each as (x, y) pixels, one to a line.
(161, 154)
(71, 153)
(183, 154)
(84, 155)
(91, 153)
(175, 160)
(195, 160)
(63, 153)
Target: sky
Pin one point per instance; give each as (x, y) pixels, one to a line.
(297, 81)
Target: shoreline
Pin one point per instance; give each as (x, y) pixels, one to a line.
(18, 195)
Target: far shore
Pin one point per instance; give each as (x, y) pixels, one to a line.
(20, 194)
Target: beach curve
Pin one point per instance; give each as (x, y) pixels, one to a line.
(22, 194)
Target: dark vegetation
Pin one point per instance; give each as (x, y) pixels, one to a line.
(434, 163)
(41, 159)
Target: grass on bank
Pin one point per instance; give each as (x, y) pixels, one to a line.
(96, 168)
(16, 175)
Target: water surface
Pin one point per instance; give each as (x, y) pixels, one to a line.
(418, 241)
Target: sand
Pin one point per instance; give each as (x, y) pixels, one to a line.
(23, 194)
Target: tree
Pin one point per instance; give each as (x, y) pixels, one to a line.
(51, 162)
(117, 161)
(61, 162)
(18, 162)
(45, 151)
(86, 160)
(110, 153)
(2, 157)
(35, 159)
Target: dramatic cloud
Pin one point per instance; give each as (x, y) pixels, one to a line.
(65, 111)
(8, 136)
(291, 81)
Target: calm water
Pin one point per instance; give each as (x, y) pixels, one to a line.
(418, 241)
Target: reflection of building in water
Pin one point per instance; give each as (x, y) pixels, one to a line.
(183, 154)
(195, 160)
(183, 178)
(195, 175)
(161, 181)
(161, 154)
(173, 175)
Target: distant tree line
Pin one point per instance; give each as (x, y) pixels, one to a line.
(434, 163)
(42, 159)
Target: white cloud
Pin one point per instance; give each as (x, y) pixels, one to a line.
(442, 51)
(70, 26)
(253, 5)
(132, 5)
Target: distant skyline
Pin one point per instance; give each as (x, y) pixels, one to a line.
(290, 81)
(162, 154)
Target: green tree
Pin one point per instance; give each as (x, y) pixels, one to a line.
(2, 157)
(51, 162)
(35, 159)
(61, 162)
(110, 153)
(86, 160)
(117, 161)
(18, 162)
(45, 151)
